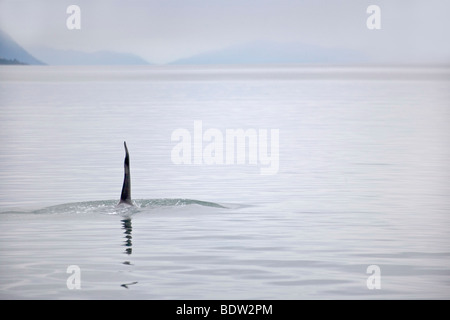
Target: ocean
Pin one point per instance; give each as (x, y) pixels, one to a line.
(249, 182)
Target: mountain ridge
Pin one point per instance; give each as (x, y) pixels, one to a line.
(11, 53)
(10, 50)
(75, 57)
(262, 52)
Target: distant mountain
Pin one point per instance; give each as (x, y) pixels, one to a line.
(11, 51)
(72, 57)
(275, 53)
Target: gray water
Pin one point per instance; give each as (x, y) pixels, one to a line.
(363, 179)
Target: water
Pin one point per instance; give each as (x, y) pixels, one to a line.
(363, 179)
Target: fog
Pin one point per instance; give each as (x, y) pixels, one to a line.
(163, 31)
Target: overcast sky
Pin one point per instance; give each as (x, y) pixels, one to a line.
(164, 30)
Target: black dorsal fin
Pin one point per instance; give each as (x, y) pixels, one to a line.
(125, 197)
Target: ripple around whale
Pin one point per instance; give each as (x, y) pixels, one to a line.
(111, 207)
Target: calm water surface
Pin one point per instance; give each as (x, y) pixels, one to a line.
(363, 179)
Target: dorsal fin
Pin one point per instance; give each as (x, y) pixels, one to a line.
(125, 197)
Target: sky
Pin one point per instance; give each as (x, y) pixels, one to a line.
(160, 31)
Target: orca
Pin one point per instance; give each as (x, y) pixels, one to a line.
(125, 196)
